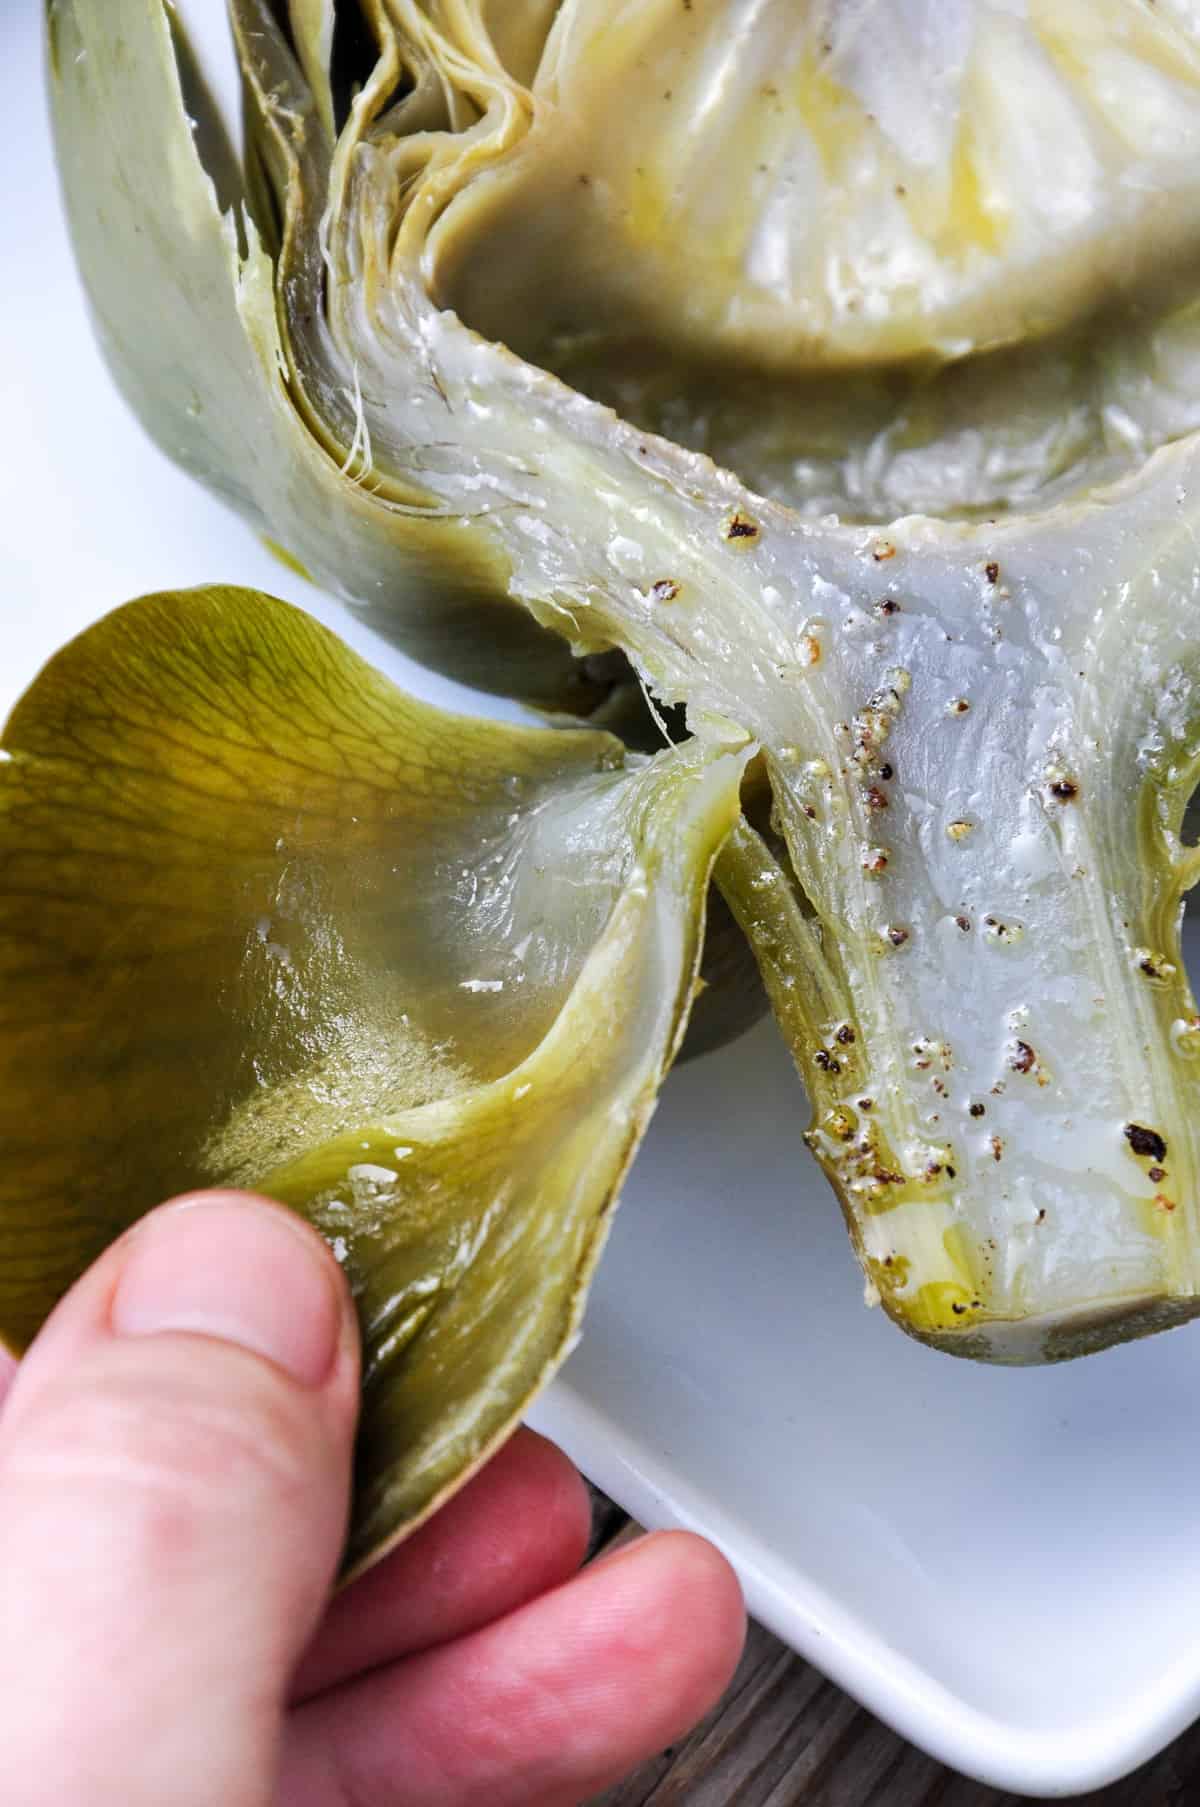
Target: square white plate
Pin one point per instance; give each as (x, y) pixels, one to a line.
(1004, 1564)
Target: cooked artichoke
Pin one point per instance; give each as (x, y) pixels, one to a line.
(266, 921)
(938, 258)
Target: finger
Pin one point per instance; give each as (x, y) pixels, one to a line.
(516, 1531)
(544, 1707)
(174, 1475)
(8, 1370)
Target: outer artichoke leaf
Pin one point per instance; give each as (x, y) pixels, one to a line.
(730, 997)
(187, 323)
(312, 23)
(266, 921)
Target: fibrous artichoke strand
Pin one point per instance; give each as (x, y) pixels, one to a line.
(980, 735)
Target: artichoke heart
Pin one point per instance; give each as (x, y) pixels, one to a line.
(828, 253)
(264, 921)
(583, 316)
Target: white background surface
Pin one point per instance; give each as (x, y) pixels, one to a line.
(1004, 1564)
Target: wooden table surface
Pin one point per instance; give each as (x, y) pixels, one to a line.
(783, 1736)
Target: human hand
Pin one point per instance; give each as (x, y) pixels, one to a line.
(174, 1477)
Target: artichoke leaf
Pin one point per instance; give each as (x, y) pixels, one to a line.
(729, 998)
(312, 25)
(264, 921)
(184, 306)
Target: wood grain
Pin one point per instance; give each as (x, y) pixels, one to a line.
(783, 1736)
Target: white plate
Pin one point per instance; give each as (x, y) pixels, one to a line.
(1003, 1565)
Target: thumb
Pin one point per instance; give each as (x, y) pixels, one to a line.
(174, 1479)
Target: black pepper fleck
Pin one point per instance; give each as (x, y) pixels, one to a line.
(1145, 1141)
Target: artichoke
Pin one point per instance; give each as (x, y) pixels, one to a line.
(838, 366)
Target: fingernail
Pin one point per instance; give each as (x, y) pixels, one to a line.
(238, 1269)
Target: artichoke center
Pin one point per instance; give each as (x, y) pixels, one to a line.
(875, 258)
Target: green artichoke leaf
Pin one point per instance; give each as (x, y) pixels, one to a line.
(265, 921)
(312, 27)
(183, 298)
